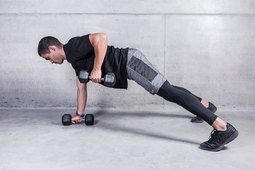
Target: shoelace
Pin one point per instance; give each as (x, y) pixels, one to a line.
(215, 137)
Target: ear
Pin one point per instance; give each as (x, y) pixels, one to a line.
(52, 48)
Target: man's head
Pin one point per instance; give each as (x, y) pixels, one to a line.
(50, 48)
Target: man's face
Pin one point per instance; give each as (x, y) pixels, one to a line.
(53, 55)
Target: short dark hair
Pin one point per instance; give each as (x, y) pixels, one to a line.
(45, 42)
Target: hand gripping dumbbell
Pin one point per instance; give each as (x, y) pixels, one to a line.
(109, 79)
(88, 119)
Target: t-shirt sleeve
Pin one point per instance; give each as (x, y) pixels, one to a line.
(80, 47)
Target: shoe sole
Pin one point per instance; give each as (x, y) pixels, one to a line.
(230, 139)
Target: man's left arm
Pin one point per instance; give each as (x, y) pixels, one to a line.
(99, 42)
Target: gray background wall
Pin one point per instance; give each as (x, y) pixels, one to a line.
(207, 47)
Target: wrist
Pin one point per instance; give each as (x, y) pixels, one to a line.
(97, 69)
(79, 114)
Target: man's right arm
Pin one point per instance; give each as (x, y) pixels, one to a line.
(81, 96)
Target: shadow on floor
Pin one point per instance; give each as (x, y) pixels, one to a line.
(143, 132)
(115, 127)
(139, 114)
(101, 115)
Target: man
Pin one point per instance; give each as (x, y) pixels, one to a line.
(92, 53)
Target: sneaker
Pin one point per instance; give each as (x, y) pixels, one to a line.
(212, 108)
(219, 139)
(197, 119)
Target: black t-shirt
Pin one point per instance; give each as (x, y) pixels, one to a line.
(80, 53)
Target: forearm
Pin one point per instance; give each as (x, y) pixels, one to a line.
(81, 100)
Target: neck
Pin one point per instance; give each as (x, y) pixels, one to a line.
(63, 53)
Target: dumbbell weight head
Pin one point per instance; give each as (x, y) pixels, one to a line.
(109, 80)
(89, 119)
(67, 119)
(83, 76)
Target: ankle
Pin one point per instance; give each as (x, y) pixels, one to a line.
(219, 125)
(205, 103)
(221, 128)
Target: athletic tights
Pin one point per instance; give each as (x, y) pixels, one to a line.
(187, 100)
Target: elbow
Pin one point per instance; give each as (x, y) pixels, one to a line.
(81, 87)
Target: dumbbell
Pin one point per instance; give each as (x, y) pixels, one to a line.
(67, 119)
(109, 79)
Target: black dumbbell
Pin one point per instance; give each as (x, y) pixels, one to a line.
(89, 119)
(67, 119)
(109, 79)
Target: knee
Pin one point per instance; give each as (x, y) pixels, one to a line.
(172, 96)
(168, 92)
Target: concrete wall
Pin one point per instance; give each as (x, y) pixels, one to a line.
(207, 47)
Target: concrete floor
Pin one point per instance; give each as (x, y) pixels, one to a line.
(148, 138)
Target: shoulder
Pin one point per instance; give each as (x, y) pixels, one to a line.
(78, 39)
(79, 47)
